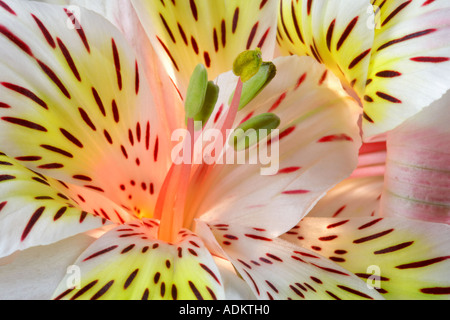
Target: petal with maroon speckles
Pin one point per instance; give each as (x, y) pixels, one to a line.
(129, 262)
(336, 33)
(36, 210)
(186, 33)
(402, 258)
(82, 108)
(277, 269)
(410, 63)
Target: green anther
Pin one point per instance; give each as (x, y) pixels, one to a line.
(253, 130)
(256, 84)
(247, 64)
(212, 93)
(196, 91)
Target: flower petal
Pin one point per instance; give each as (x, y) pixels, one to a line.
(186, 33)
(417, 180)
(77, 105)
(402, 258)
(277, 269)
(36, 272)
(129, 262)
(359, 195)
(336, 33)
(122, 15)
(36, 210)
(318, 146)
(410, 63)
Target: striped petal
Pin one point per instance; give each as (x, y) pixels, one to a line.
(36, 210)
(401, 258)
(277, 269)
(417, 180)
(122, 15)
(129, 262)
(410, 63)
(336, 33)
(318, 146)
(75, 107)
(186, 33)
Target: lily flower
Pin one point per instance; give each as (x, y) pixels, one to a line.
(394, 57)
(86, 126)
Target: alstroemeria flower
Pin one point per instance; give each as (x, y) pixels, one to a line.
(395, 57)
(87, 143)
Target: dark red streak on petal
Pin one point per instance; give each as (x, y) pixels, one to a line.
(34, 218)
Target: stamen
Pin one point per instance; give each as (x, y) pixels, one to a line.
(257, 83)
(211, 96)
(253, 130)
(196, 92)
(247, 64)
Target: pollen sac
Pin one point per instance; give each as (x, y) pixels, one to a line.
(247, 64)
(212, 94)
(253, 130)
(196, 92)
(256, 84)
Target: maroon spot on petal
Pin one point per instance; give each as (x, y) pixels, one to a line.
(252, 35)
(212, 274)
(337, 224)
(168, 53)
(335, 137)
(25, 92)
(71, 138)
(69, 59)
(355, 292)
(288, 170)
(330, 33)
(51, 74)
(346, 33)
(117, 64)
(84, 290)
(358, 59)
(278, 102)
(298, 191)
(423, 263)
(405, 38)
(436, 290)
(369, 224)
(263, 39)
(256, 237)
(78, 28)
(7, 8)
(430, 59)
(388, 97)
(99, 101)
(328, 238)
(44, 31)
(103, 290)
(388, 74)
(395, 12)
(57, 150)
(394, 248)
(34, 218)
(194, 9)
(16, 40)
(235, 20)
(300, 81)
(373, 236)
